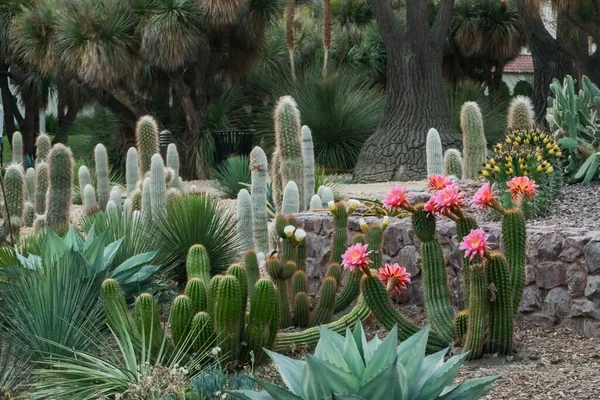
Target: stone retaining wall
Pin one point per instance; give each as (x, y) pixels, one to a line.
(563, 267)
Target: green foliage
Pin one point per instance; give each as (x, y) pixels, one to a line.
(14, 369)
(575, 119)
(213, 381)
(232, 176)
(195, 219)
(351, 366)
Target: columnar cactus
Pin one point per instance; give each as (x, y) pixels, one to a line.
(158, 188)
(501, 308)
(15, 187)
(263, 320)
(59, 198)
(181, 318)
(197, 292)
(287, 141)
(132, 170)
(225, 312)
(474, 142)
(260, 220)
(90, 205)
(280, 273)
(147, 321)
(252, 270)
(17, 148)
(308, 161)
(43, 145)
(351, 288)
(146, 202)
(198, 264)
(315, 202)
(115, 197)
(326, 195)
(433, 150)
(30, 180)
(301, 310)
(520, 113)
(41, 186)
(146, 135)
(478, 311)
(291, 199)
(84, 178)
(244, 219)
(28, 214)
(173, 163)
(453, 163)
(102, 178)
(324, 308)
(514, 238)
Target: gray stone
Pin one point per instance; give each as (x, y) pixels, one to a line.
(572, 248)
(592, 255)
(576, 280)
(574, 324)
(550, 274)
(531, 300)
(584, 307)
(408, 257)
(540, 319)
(546, 245)
(392, 240)
(557, 303)
(593, 286)
(529, 274)
(591, 328)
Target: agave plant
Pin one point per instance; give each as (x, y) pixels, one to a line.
(232, 176)
(351, 368)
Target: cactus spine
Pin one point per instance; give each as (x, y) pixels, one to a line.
(287, 141)
(315, 202)
(308, 161)
(30, 180)
(478, 312)
(252, 270)
(90, 205)
(102, 180)
(260, 230)
(474, 143)
(15, 187)
(244, 221)
(225, 314)
(132, 170)
(41, 186)
(181, 319)
(291, 199)
(501, 311)
(146, 134)
(59, 198)
(514, 238)
(43, 145)
(433, 149)
(324, 308)
(453, 163)
(158, 188)
(520, 113)
(460, 326)
(17, 148)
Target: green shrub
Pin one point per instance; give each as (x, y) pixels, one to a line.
(13, 367)
(232, 176)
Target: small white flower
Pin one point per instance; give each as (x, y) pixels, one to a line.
(385, 223)
(215, 351)
(363, 225)
(353, 202)
(300, 234)
(332, 208)
(289, 230)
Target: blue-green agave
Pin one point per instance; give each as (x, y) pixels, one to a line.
(350, 368)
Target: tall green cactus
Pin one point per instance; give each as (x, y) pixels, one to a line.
(84, 178)
(41, 187)
(461, 321)
(340, 232)
(43, 145)
(197, 292)
(262, 321)
(463, 227)
(198, 264)
(453, 163)
(276, 183)
(291, 199)
(280, 274)
(147, 320)
(299, 282)
(181, 319)
(30, 181)
(252, 270)
(17, 148)
(514, 238)
(203, 332)
(158, 188)
(146, 135)
(474, 142)
(102, 175)
(90, 205)
(433, 149)
(132, 170)
(520, 113)
(335, 271)
(501, 308)
(115, 306)
(240, 273)
(308, 161)
(244, 219)
(287, 141)
(478, 312)
(173, 163)
(301, 310)
(59, 198)
(324, 309)
(15, 189)
(225, 310)
(260, 220)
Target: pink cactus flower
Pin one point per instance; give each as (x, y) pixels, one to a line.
(448, 199)
(394, 278)
(522, 185)
(484, 197)
(438, 182)
(430, 207)
(395, 198)
(475, 244)
(356, 256)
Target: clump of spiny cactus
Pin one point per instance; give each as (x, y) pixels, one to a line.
(146, 135)
(433, 150)
(453, 163)
(520, 113)
(102, 175)
(474, 142)
(43, 145)
(59, 198)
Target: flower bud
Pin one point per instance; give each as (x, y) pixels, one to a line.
(289, 230)
(332, 208)
(385, 223)
(363, 225)
(300, 234)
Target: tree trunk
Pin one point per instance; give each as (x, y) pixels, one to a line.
(416, 100)
(65, 121)
(30, 127)
(9, 104)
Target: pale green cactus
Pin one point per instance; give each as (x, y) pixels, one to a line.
(115, 197)
(453, 163)
(315, 202)
(308, 160)
(41, 187)
(244, 221)
(132, 170)
(520, 113)
(326, 195)
(173, 163)
(30, 180)
(146, 134)
(59, 198)
(43, 145)
(84, 178)
(260, 220)
(474, 142)
(433, 150)
(15, 190)
(102, 175)
(158, 191)
(291, 199)
(17, 148)
(90, 205)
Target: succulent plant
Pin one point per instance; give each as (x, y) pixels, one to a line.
(260, 220)
(17, 148)
(453, 163)
(308, 161)
(41, 186)
(291, 199)
(520, 113)
(474, 142)
(244, 221)
(132, 170)
(433, 149)
(43, 145)
(146, 135)
(102, 175)
(59, 197)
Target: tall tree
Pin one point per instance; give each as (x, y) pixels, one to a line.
(415, 92)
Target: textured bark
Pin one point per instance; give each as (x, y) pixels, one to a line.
(67, 112)
(11, 111)
(31, 126)
(415, 100)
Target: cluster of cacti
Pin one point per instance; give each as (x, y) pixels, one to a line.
(146, 135)
(520, 113)
(102, 175)
(474, 142)
(453, 163)
(60, 182)
(326, 195)
(433, 149)
(492, 289)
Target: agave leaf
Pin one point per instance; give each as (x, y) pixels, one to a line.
(89, 238)
(384, 385)
(410, 355)
(73, 240)
(361, 341)
(53, 248)
(592, 169)
(383, 357)
(110, 252)
(352, 355)
(329, 348)
(320, 379)
(31, 262)
(144, 273)
(430, 364)
(568, 143)
(471, 389)
(131, 266)
(290, 371)
(95, 253)
(583, 169)
(442, 377)
(250, 395)
(346, 397)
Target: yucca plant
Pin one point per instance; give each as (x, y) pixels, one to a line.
(232, 176)
(196, 219)
(352, 368)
